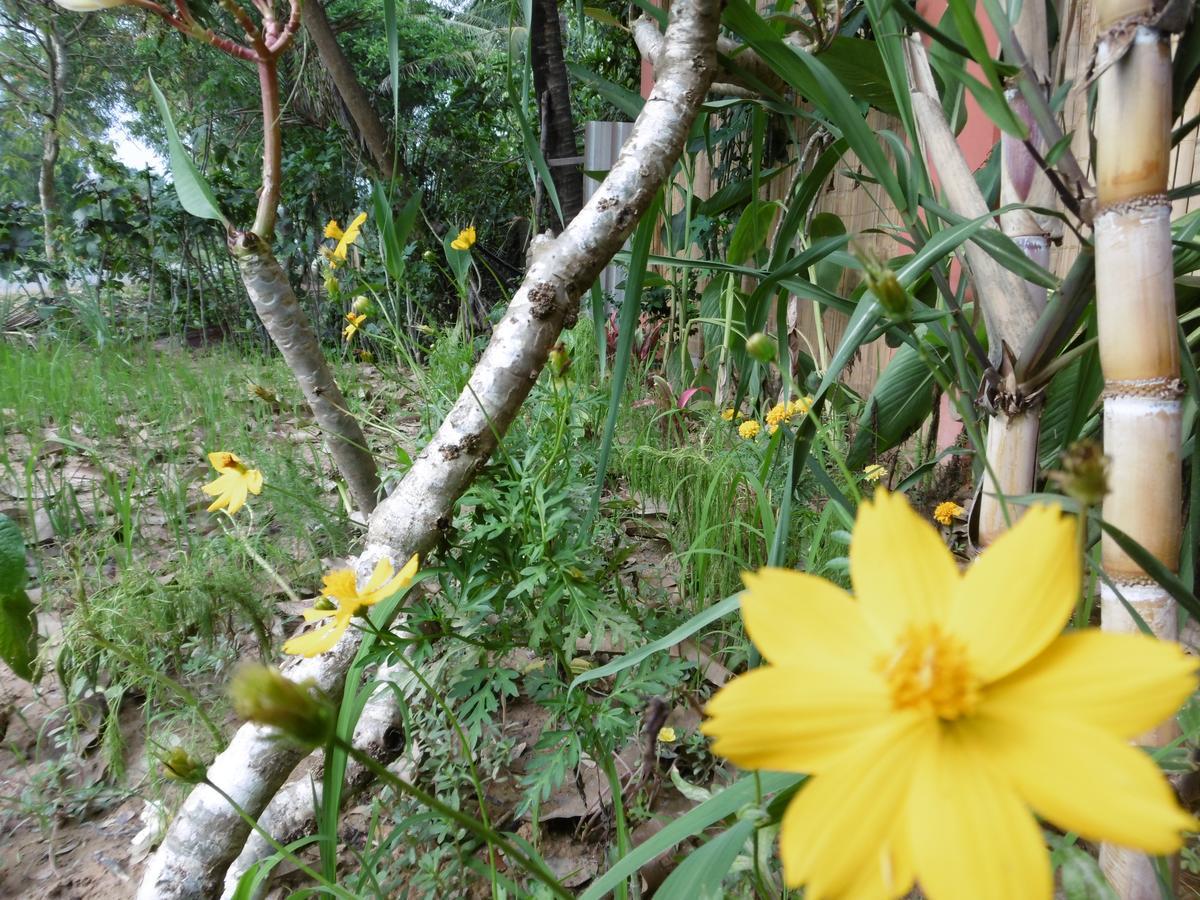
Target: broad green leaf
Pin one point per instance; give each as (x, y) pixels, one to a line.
(900, 401)
(1081, 876)
(857, 64)
(12, 557)
(18, 633)
(195, 195)
(726, 803)
(752, 230)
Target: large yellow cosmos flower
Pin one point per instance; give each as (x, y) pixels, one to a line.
(941, 711)
(341, 588)
(233, 483)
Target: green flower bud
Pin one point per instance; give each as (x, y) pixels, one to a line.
(179, 765)
(761, 347)
(361, 305)
(261, 694)
(883, 283)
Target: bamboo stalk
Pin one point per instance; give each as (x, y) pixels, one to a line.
(1135, 299)
(1010, 308)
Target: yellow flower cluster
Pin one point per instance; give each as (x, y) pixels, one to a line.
(947, 511)
(874, 472)
(785, 412)
(727, 414)
(749, 429)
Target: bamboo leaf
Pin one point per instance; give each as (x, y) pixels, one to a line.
(195, 195)
(812, 78)
(631, 305)
(701, 873)
(1153, 567)
(684, 631)
(858, 65)
(622, 98)
(726, 803)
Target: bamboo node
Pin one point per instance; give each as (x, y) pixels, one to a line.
(1143, 204)
(1131, 580)
(1162, 388)
(1116, 40)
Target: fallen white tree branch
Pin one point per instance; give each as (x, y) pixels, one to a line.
(207, 833)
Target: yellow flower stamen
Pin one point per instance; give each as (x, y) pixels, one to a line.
(929, 670)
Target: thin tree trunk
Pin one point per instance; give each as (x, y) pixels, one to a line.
(370, 126)
(290, 330)
(1139, 351)
(553, 90)
(207, 833)
(56, 70)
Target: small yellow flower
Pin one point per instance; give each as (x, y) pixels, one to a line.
(771, 429)
(874, 472)
(749, 429)
(345, 239)
(233, 482)
(341, 587)
(941, 711)
(465, 239)
(800, 406)
(778, 413)
(947, 511)
(355, 323)
(727, 414)
(667, 735)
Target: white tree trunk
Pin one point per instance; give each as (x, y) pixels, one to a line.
(207, 834)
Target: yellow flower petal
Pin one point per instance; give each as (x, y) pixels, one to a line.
(843, 819)
(333, 230)
(902, 572)
(316, 641)
(1084, 780)
(794, 617)
(795, 718)
(1016, 597)
(971, 834)
(312, 614)
(222, 460)
(254, 481)
(1125, 684)
(340, 584)
(236, 495)
(379, 576)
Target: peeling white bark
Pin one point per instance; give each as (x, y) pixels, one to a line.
(290, 331)
(207, 834)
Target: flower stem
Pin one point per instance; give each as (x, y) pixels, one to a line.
(534, 867)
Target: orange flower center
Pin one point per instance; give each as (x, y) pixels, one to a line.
(929, 671)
